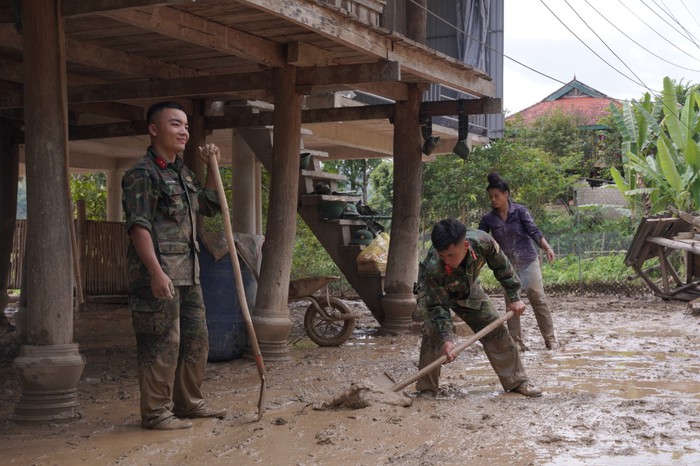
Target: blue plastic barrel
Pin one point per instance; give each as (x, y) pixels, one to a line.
(228, 336)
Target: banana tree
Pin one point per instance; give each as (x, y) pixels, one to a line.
(661, 160)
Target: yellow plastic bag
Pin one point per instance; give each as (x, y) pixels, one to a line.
(373, 258)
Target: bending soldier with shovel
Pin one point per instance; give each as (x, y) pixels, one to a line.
(449, 278)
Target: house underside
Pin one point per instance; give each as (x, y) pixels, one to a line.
(265, 80)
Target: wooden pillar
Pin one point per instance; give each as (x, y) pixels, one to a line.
(417, 20)
(243, 186)
(394, 16)
(49, 366)
(197, 139)
(402, 265)
(271, 316)
(258, 198)
(81, 237)
(114, 195)
(9, 177)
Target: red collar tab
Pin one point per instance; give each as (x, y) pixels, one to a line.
(448, 269)
(161, 162)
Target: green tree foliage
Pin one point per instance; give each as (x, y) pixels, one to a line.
(456, 188)
(92, 188)
(357, 172)
(607, 148)
(556, 133)
(310, 258)
(382, 187)
(661, 160)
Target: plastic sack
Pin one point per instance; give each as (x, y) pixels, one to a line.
(373, 258)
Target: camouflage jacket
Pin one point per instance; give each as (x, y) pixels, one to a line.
(164, 198)
(446, 288)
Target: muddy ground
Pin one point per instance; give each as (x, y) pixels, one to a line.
(623, 389)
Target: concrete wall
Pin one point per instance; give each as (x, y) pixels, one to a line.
(606, 194)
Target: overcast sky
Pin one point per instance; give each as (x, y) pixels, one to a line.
(536, 38)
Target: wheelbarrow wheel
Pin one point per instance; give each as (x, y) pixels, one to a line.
(325, 332)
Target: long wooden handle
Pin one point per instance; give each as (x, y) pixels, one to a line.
(455, 351)
(214, 171)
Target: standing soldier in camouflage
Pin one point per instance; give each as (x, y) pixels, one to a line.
(161, 199)
(449, 277)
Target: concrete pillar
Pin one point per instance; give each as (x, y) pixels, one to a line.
(402, 264)
(9, 177)
(271, 316)
(114, 196)
(243, 186)
(49, 365)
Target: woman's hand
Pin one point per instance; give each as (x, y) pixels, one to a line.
(549, 252)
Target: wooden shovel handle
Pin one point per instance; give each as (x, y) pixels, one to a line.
(240, 290)
(455, 351)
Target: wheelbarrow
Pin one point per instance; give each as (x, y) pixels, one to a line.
(327, 321)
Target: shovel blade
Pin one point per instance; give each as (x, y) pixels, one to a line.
(383, 381)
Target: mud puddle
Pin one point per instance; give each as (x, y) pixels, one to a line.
(624, 388)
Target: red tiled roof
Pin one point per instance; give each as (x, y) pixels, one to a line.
(589, 109)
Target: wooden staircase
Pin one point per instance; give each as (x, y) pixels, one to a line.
(334, 235)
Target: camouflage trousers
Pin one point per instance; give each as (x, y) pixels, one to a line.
(172, 344)
(500, 349)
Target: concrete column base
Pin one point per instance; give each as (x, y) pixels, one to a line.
(398, 308)
(48, 376)
(272, 331)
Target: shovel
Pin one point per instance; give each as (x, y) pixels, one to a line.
(214, 172)
(383, 389)
(395, 387)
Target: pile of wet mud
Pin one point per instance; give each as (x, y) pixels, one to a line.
(363, 395)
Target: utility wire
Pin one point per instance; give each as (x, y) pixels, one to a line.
(656, 94)
(606, 45)
(500, 52)
(656, 32)
(637, 43)
(690, 12)
(666, 10)
(589, 48)
(443, 20)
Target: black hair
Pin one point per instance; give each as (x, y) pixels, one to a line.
(496, 182)
(158, 107)
(447, 232)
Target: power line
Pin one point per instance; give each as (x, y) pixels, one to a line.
(656, 32)
(500, 52)
(589, 48)
(690, 12)
(449, 24)
(637, 43)
(606, 45)
(666, 10)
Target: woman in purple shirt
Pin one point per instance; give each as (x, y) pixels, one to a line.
(513, 228)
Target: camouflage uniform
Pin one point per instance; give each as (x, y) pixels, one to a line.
(171, 336)
(459, 290)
